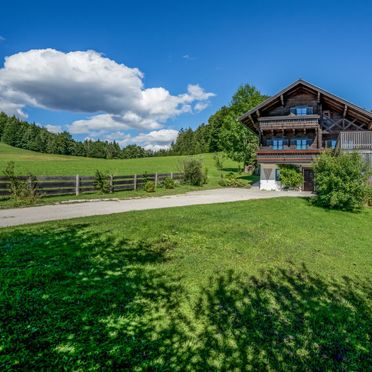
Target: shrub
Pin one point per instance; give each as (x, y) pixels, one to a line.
(290, 177)
(193, 172)
(341, 181)
(149, 186)
(230, 180)
(102, 182)
(168, 183)
(24, 191)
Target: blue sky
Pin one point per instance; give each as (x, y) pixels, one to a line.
(212, 46)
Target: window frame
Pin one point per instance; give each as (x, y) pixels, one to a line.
(302, 110)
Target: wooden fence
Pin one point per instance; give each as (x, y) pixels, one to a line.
(75, 185)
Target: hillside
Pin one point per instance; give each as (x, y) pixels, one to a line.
(49, 164)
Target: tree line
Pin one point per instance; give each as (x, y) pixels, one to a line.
(222, 132)
(28, 136)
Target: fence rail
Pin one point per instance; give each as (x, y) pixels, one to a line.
(75, 185)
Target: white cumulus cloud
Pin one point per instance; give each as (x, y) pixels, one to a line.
(112, 94)
(154, 140)
(53, 128)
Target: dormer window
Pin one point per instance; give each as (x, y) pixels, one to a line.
(301, 110)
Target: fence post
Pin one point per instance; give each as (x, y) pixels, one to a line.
(29, 183)
(135, 182)
(77, 185)
(172, 175)
(111, 183)
(156, 179)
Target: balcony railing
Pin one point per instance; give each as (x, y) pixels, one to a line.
(289, 122)
(287, 156)
(355, 141)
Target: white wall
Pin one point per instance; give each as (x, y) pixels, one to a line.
(267, 178)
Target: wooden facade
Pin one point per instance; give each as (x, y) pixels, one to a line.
(302, 120)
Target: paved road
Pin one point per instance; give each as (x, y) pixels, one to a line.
(20, 216)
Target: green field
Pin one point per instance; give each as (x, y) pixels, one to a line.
(261, 285)
(57, 165)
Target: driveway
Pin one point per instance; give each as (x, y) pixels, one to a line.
(20, 216)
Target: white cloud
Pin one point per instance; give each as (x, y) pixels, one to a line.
(154, 140)
(188, 57)
(112, 94)
(53, 128)
(163, 136)
(11, 108)
(156, 148)
(200, 106)
(86, 81)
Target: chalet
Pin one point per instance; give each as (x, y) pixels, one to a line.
(297, 124)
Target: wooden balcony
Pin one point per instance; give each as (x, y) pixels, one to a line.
(287, 156)
(288, 122)
(355, 141)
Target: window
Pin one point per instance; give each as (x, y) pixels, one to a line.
(277, 175)
(302, 143)
(331, 144)
(301, 110)
(277, 144)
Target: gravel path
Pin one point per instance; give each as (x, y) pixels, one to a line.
(20, 216)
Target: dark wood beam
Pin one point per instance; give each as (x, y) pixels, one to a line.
(345, 111)
(254, 124)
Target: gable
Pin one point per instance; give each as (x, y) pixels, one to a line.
(302, 93)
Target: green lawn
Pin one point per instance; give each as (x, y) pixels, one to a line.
(57, 165)
(261, 285)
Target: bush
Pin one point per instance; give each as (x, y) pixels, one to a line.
(24, 191)
(102, 182)
(193, 172)
(290, 177)
(149, 186)
(230, 180)
(168, 183)
(341, 181)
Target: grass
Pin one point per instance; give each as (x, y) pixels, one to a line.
(58, 165)
(261, 285)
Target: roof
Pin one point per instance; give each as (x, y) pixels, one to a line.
(366, 114)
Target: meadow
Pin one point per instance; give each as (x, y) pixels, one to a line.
(40, 164)
(260, 285)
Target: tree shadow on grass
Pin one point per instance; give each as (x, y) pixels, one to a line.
(284, 320)
(75, 298)
(78, 299)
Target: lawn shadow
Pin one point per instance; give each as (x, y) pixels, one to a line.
(282, 320)
(78, 299)
(231, 170)
(72, 297)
